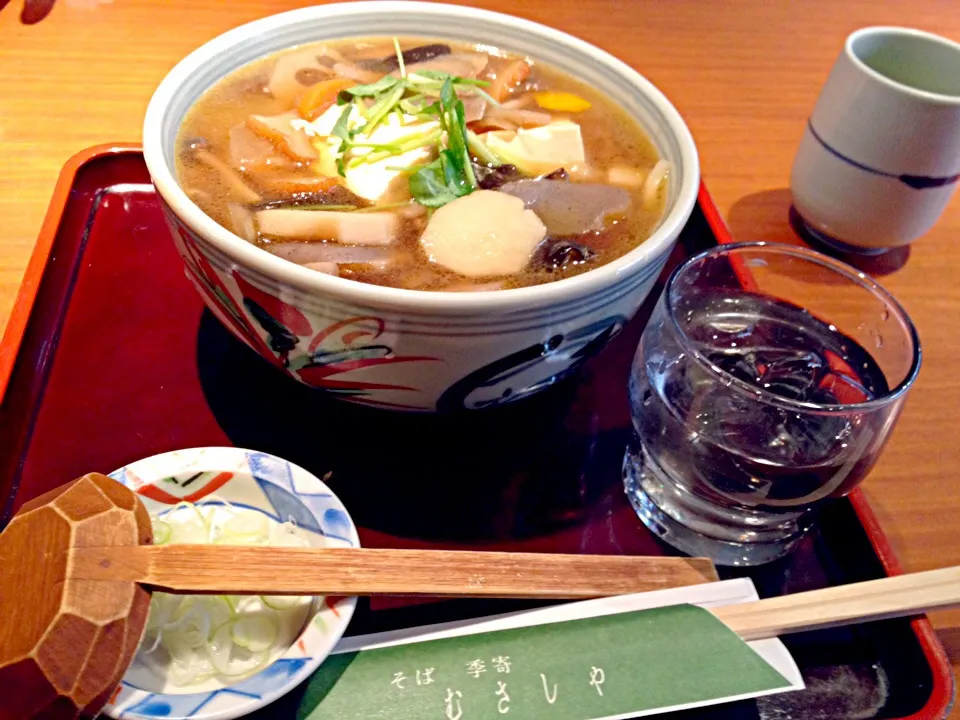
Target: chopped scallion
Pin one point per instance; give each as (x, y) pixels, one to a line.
(403, 68)
(426, 95)
(481, 151)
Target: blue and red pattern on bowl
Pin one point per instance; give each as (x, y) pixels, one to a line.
(407, 349)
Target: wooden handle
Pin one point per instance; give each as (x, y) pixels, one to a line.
(319, 571)
(844, 605)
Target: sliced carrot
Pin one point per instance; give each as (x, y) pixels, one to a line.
(317, 99)
(250, 153)
(511, 76)
(277, 129)
(561, 101)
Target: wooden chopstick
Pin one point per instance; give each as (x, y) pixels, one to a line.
(223, 569)
(895, 596)
(326, 571)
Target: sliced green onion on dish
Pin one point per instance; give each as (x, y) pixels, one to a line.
(190, 639)
(161, 532)
(282, 602)
(256, 633)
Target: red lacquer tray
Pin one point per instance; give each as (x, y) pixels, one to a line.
(110, 357)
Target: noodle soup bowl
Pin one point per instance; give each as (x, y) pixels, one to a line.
(408, 349)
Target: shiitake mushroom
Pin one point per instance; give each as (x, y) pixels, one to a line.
(558, 254)
(421, 53)
(493, 178)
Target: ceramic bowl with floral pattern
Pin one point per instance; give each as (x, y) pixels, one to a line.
(411, 349)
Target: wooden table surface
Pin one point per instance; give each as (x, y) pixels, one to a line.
(744, 74)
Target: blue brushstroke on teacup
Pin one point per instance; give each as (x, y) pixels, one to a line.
(917, 182)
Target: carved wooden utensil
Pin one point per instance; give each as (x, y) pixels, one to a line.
(76, 564)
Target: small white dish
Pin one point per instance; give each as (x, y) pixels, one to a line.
(280, 490)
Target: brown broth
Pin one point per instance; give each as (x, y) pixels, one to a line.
(611, 137)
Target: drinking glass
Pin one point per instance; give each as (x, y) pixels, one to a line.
(768, 379)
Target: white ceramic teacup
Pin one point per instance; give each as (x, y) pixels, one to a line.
(880, 157)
